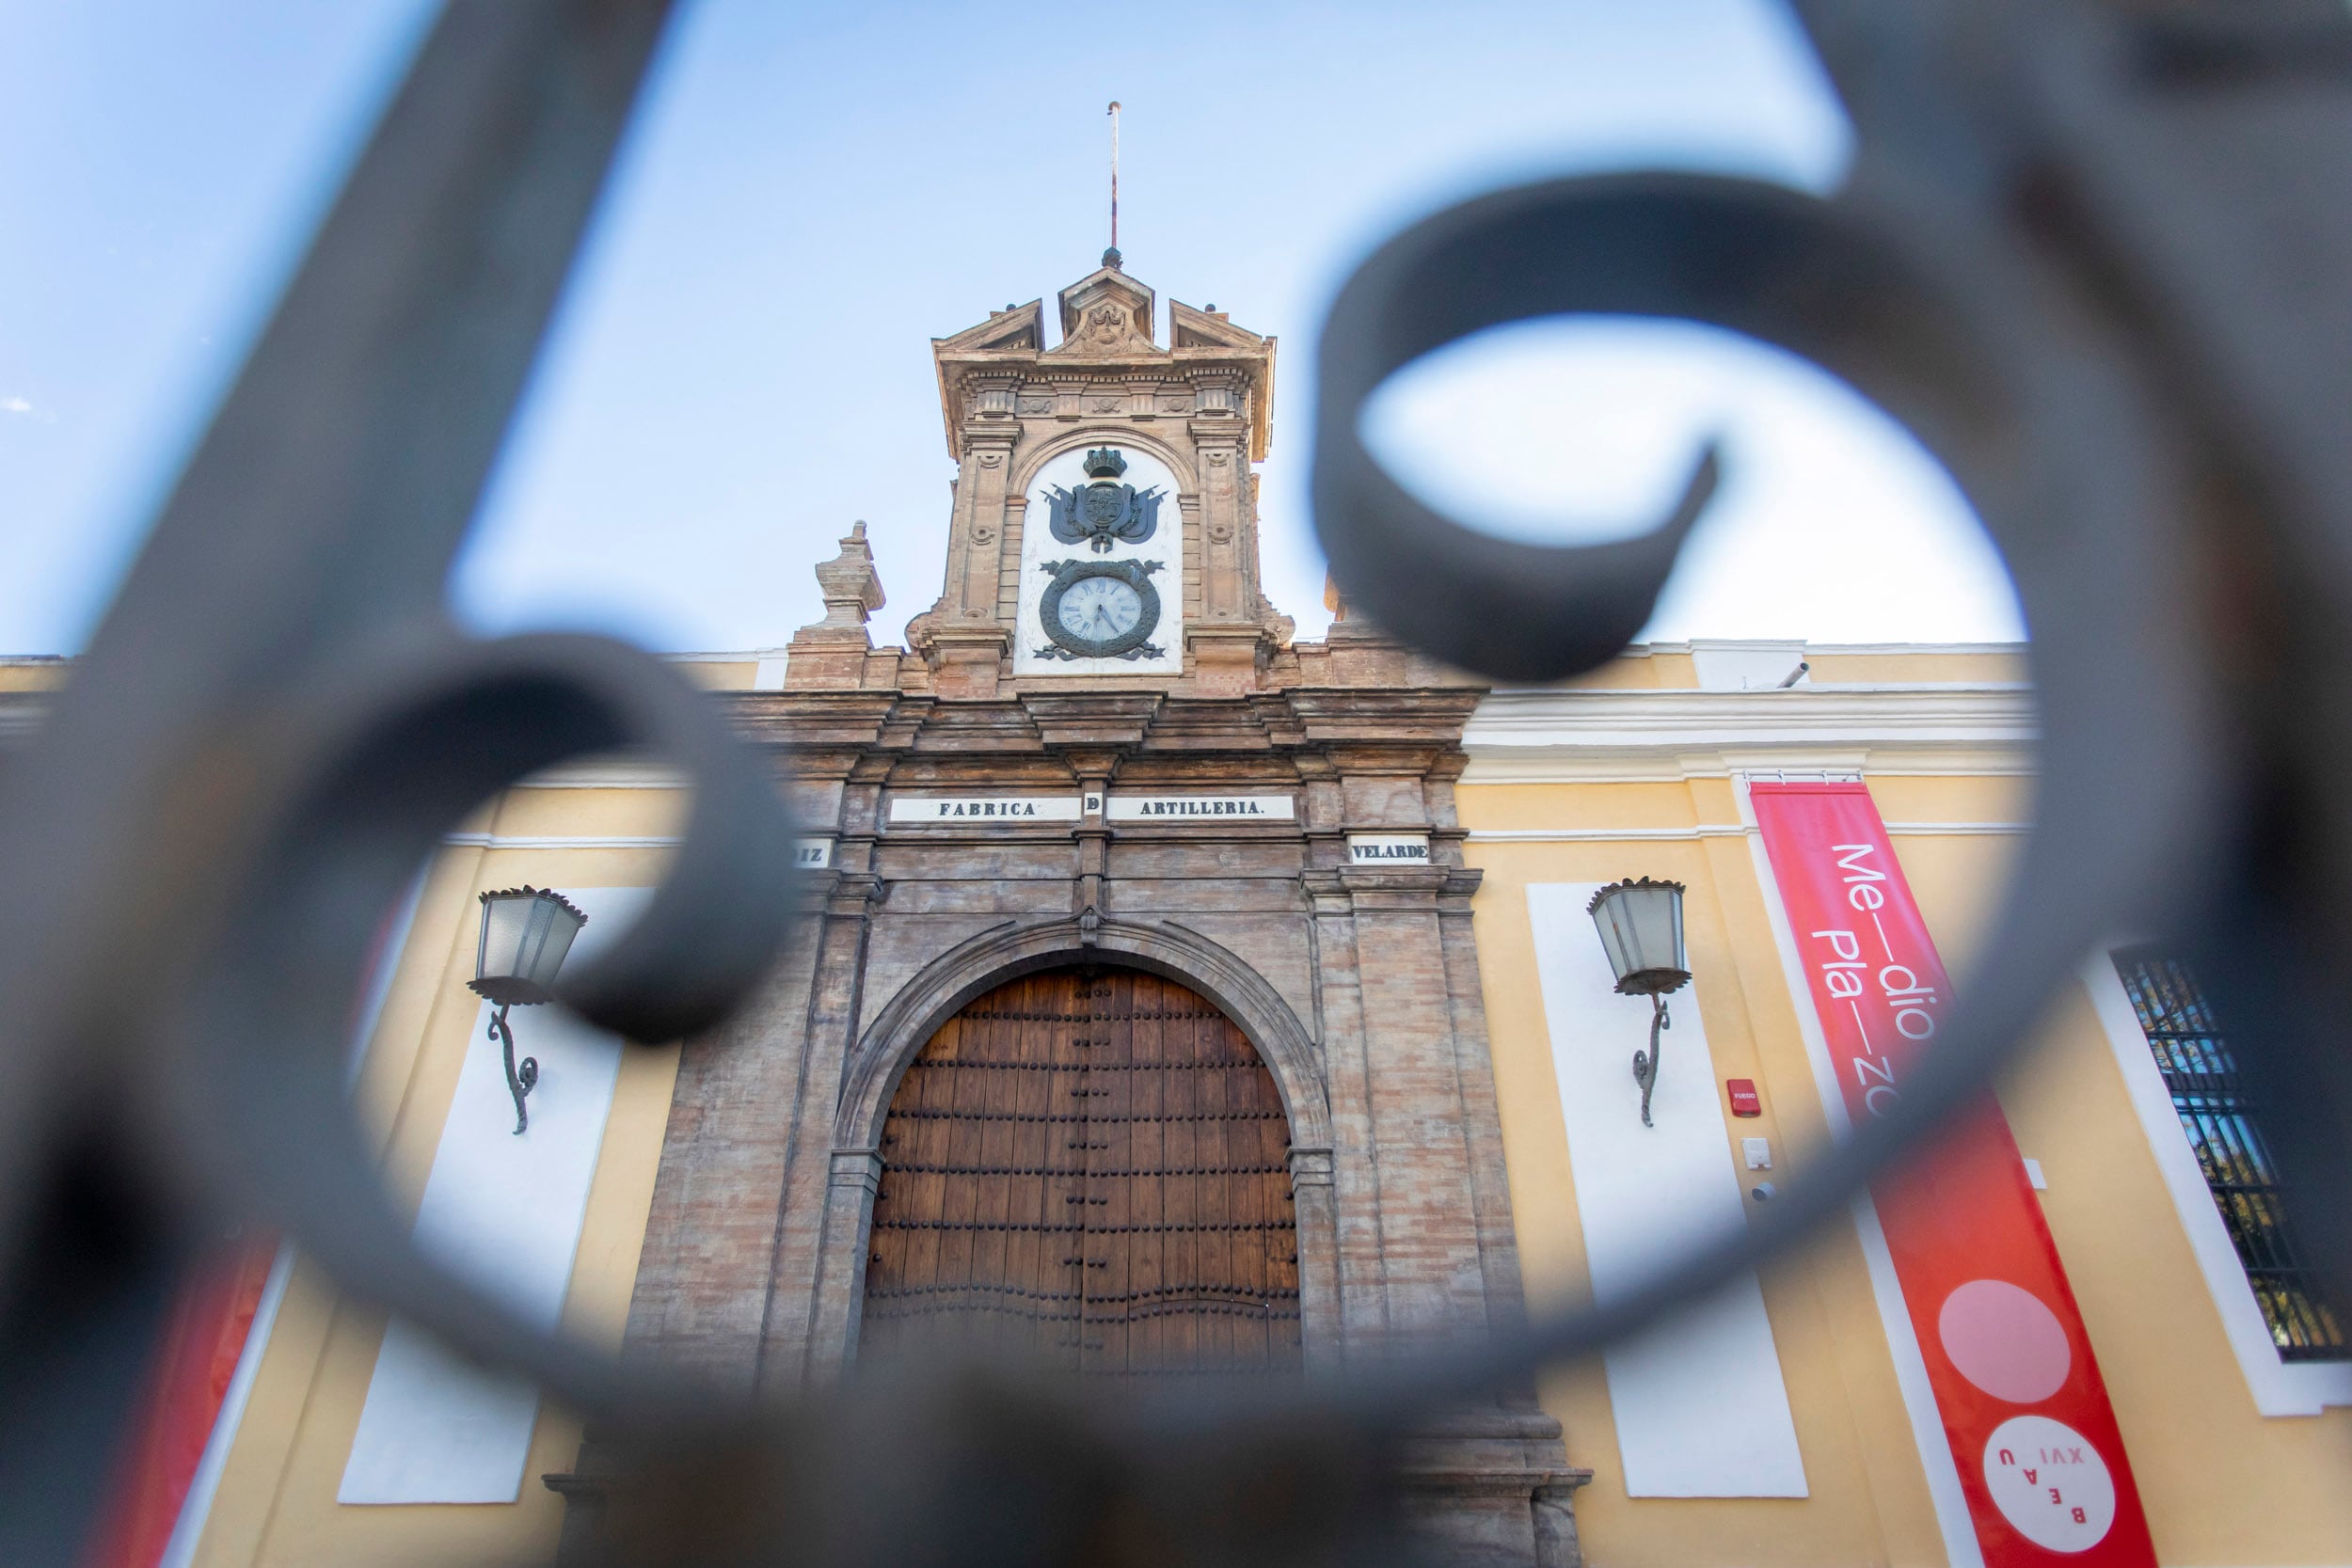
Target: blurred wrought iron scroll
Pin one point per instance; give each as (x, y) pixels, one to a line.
(2097, 255)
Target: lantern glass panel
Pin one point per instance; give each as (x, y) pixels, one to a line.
(1641, 930)
(526, 934)
(1615, 935)
(1657, 927)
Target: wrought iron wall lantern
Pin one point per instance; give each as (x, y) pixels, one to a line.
(1640, 928)
(526, 932)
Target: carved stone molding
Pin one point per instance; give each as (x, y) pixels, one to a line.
(1310, 1167)
(983, 962)
(858, 1167)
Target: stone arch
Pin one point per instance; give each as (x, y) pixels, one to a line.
(1179, 462)
(983, 962)
(1087, 1168)
(980, 964)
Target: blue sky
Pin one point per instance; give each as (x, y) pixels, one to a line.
(813, 192)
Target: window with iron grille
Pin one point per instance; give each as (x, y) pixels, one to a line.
(2223, 1121)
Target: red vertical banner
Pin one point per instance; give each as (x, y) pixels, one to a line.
(209, 1321)
(2023, 1407)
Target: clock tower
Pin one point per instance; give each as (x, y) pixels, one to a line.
(1105, 518)
(1135, 926)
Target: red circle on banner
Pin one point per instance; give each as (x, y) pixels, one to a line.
(2051, 1482)
(2005, 1341)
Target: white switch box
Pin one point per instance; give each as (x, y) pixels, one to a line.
(1758, 1153)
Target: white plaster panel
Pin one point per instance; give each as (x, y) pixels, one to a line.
(1700, 1406)
(505, 1212)
(1039, 545)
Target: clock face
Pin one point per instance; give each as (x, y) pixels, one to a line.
(1099, 609)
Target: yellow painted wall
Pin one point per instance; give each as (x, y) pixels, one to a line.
(2224, 1487)
(276, 1505)
(1669, 666)
(1895, 667)
(33, 673)
(2221, 1484)
(719, 672)
(1869, 1500)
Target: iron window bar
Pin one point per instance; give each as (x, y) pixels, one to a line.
(2223, 1121)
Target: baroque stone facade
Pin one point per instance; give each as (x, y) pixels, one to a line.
(1356, 979)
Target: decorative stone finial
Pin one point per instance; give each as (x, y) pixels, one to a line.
(1111, 259)
(851, 588)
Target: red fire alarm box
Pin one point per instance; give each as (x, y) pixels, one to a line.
(1743, 1096)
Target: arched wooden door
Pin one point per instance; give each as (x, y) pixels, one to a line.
(1088, 1170)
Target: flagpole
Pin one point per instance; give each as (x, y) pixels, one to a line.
(1111, 257)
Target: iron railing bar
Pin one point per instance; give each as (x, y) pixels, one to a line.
(2223, 1124)
(322, 507)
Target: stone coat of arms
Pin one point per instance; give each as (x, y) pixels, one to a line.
(1105, 510)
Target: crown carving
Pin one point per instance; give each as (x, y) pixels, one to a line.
(1104, 463)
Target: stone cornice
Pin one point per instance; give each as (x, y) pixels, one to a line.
(1529, 735)
(1327, 714)
(1120, 719)
(1260, 738)
(999, 728)
(1976, 715)
(811, 718)
(866, 734)
(21, 713)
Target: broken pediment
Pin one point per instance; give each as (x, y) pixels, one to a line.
(1108, 313)
(1020, 327)
(997, 376)
(1189, 327)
